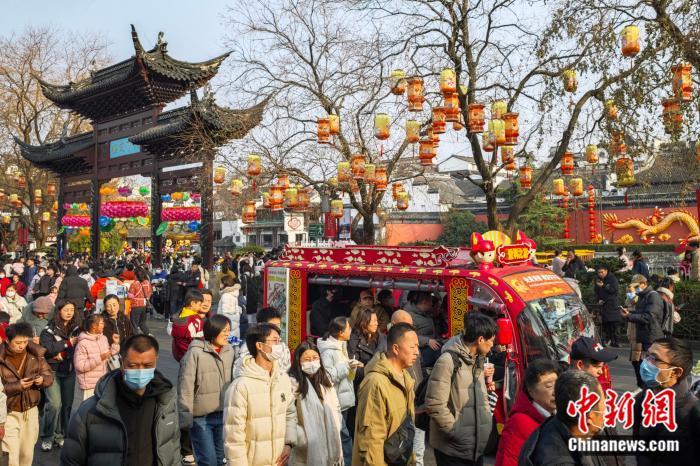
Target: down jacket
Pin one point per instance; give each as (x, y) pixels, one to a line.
(460, 418)
(523, 421)
(19, 400)
(228, 306)
(96, 434)
(386, 399)
(89, 366)
(259, 416)
(337, 364)
(647, 316)
(206, 374)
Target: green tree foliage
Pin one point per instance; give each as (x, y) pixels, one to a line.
(542, 221)
(458, 227)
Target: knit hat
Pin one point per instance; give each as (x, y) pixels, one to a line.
(42, 305)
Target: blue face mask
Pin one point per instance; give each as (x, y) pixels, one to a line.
(136, 379)
(631, 295)
(648, 372)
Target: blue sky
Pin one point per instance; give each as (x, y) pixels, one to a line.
(194, 29)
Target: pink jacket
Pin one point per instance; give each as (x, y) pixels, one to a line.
(89, 366)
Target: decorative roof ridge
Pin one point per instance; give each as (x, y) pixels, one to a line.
(56, 150)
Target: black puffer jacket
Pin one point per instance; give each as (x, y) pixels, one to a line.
(56, 340)
(548, 446)
(609, 311)
(96, 434)
(647, 317)
(75, 289)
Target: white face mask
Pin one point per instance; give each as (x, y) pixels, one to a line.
(311, 367)
(41, 274)
(10, 294)
(276, 354)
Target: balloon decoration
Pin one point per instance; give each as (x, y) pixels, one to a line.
(162, 228)
(194, 226)
(104, 221)
(181, 214)
(144, 191)
(75, 221)
(124, 209)
(124, 191)
(165, 198)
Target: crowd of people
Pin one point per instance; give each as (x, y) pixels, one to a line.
(374, 385)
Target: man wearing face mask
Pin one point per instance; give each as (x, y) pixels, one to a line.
(131, 419)
(667, 366)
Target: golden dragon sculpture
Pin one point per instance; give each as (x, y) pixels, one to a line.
(656, 224)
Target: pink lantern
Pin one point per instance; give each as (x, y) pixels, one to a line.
(75, 220)
(195, 196)
(124, 209)
(180, 214)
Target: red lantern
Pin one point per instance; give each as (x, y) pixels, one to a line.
(512, 128)
(415, 94)
(672, 115)
(323, 130)
(381, 179)
(567, 164)
(682, 83)
(357, 164)
(624, 169)
(451, 106)
(439, 120)
(525, 177)
(476, 118)
(507, 157)
(576, 187)
(249, 212)
(396, 188)
(426, 152)
(276, 198)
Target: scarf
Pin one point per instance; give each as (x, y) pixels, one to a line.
(323, 447)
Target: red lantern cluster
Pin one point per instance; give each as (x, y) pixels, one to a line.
(180, 214)
(591, 213)
(124, 209)
(75, 221)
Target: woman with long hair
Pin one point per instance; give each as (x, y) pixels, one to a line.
(140, 292)
(59, 338)
(116, 322)
(318, 416)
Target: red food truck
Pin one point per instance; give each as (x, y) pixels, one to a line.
(540, 315)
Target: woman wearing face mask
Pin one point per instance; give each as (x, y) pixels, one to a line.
(59, 338)
(90, 357)
(47, 281)
(206, 371)
(341, 370)
(13, 304)
(33, 287)
(116, 323)
(318, 413)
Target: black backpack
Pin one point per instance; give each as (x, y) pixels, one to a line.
(422, 418)
(667, 322)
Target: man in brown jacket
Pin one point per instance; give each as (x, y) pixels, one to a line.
(24, 372)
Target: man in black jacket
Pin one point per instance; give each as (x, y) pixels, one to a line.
(606, 290)
(131, 419)
(75, 289)
(549, 443)
(668, 365)
(322, 312)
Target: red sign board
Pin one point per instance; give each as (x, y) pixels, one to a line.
(512, 254)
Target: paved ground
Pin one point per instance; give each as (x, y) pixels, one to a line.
(623, 379)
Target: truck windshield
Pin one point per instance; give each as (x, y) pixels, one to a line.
(549, 326)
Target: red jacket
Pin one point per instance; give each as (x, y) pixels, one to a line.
(4, 283)
(186, 327)
(524, 419)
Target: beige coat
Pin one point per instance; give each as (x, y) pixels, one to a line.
(259, 416)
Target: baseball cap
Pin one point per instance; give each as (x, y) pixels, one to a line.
(637, 279)
(588, 348)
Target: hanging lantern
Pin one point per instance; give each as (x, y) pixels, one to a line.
(219, 175)
(249, 212)
(567, 164)
(38, 200)
(476, 118)
(497, 128)
(291, 196)
(630, 41)
(21, 181)
(576, 187)
(51, 188)
(507, 155)
(433, 136)
(354, 186)
(266, 200)
(370, 173)
(381, 179)
(512, 128)
(398, 82)
(458, 125)
(486, 142)
(448, 81)
(402, 200)
(415, 94)
(624, 169)
(337, 208)
(323, 130)
(592, 154)
(412, 131)
(381, 126)
(236, 187)
(498, 109)
(6, 219)
(558, 187)
(439, 120)
(333, 182)
(396, 188)
(617, 144)
(46, 216)
(426, 152)
(283, 180)
(570, 80)
(357, 165)
(276, 198)
(344, 172)
(254, 168)
(2, 195)
(333, 124)
(525, 177)
(611, 109)
(303, 199)
(451, 106)
(672, 115)
(682, 82)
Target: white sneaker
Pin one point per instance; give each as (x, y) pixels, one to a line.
(58, 442)
(46, 446)
(188, 460)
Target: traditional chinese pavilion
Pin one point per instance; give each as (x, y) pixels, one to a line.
(133, 135)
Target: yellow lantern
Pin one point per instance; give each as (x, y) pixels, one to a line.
(323, 130)
(381, 179)
(576, 187)
(6, 219)
(381, 126)
(486, 142)
(497, 128)
(333, 124)
(525, 177)
(624, 169)
(498, 109)
(402, 200)
(54, 207)
(249, 212)
(630, 41)
(303, 199)
(344, 172)
(396, 188)
(412, 131)
(38, 200)
(672, 115)
(51, 188)
(219, 175)
(236, 187)
(357, 165)
(448, 81)
(592, 154)
(512, 128)
(558, 187)
(266, 200)
(283, 180)
(426, 152)
(415, 94)
(451, 106)
(276, 198)
(476, 118)
(46, 216)
(682, 82)
(611, 109)
(439, 120)
(337, 210)
(370, 173)
(570, 80)
(459, 124)
(254, 168)
(507, 155)
(567, 164)
(398, 82)
(291, 195)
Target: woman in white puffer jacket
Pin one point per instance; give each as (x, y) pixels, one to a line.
(228, 304)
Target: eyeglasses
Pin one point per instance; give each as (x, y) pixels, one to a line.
(276, 341)
(654, 360)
